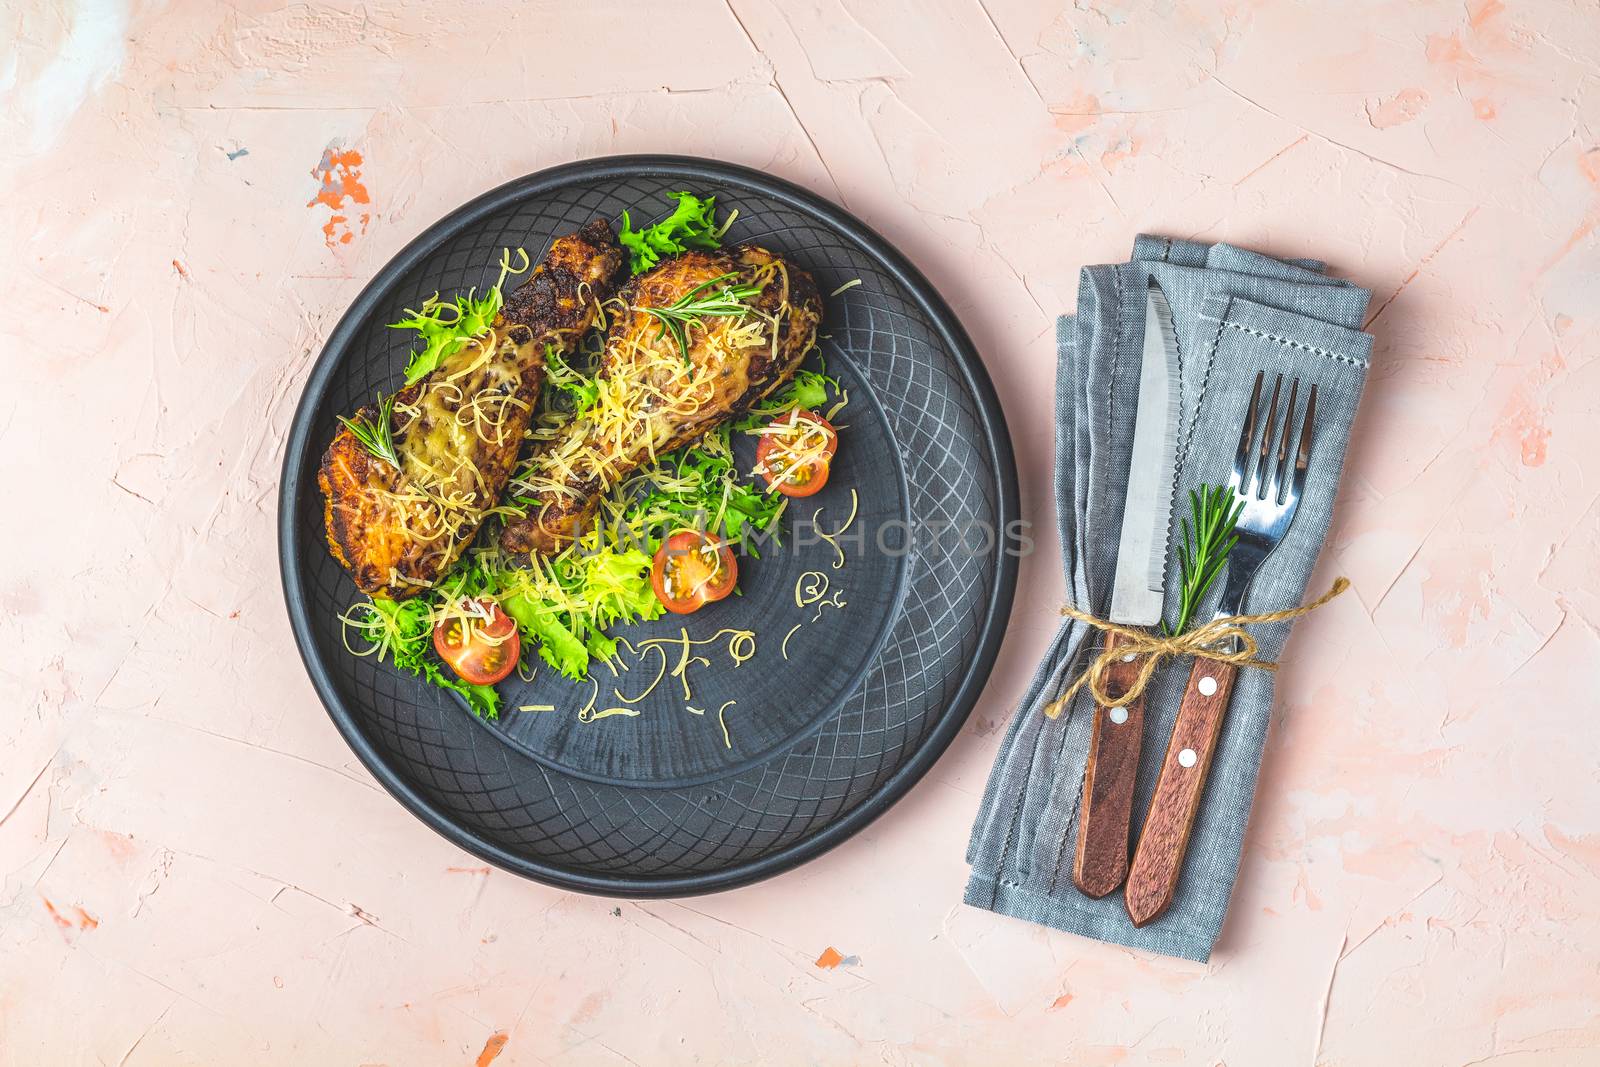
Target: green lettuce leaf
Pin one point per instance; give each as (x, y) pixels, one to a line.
(558, 646)
(692, 224)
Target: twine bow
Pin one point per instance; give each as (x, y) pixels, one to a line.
(1225, 640)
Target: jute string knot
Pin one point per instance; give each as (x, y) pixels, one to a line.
(1225, 640)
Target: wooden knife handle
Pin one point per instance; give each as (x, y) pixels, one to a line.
(1158, 859)
(1101, 863)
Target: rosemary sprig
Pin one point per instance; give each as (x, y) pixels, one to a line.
(690, 309)
(378, 437)
(1205, 547)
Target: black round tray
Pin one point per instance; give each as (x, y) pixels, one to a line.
(505, 793)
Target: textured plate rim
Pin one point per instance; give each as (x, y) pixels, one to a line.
(1002, 468)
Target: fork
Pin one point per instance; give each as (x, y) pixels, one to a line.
(1267, 500)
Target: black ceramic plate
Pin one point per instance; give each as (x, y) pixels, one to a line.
(861, 673)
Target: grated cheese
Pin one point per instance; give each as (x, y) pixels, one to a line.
(784, 648)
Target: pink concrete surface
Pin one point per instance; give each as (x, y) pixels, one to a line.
(197, 871)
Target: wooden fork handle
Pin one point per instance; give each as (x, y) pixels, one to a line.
(1101, 863)
(1158, 859)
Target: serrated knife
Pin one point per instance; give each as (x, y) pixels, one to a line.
(1138, 591)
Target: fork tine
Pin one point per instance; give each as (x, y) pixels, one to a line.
(1241, 458)
(1276, 490)
(1302, 456)
(1258, 482)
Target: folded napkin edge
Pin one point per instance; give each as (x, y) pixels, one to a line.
(1017, 901)
(1293, 331)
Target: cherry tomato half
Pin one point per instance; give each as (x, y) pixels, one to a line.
(692, 569)
(796, 452)
(484, 649)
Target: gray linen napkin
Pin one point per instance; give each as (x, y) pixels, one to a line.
(1235, 312)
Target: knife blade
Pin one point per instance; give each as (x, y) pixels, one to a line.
(1138, 591)
(1138, 588)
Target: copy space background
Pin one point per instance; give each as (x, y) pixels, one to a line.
(196, 870)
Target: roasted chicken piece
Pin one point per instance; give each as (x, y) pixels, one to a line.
(457, 432)
(664, 380)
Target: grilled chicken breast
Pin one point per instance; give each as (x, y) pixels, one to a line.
(655, 396)
(458, 430)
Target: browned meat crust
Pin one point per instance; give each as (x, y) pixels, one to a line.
(459, 429)
(580, 467)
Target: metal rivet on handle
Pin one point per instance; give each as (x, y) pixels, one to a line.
(1207, 686)
(1118, 715)
(1187, 758)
